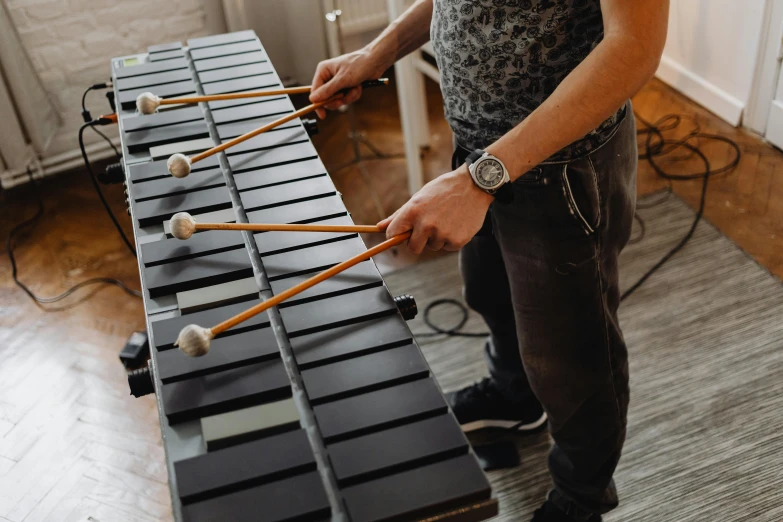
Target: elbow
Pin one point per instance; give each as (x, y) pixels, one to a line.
(649, 67)
(640, 56)
(653, 60)
(649, 51)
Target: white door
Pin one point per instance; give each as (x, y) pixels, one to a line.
(774, 133)
(764, 113)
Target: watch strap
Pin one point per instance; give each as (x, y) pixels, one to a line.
(505, 194)
(473, 156)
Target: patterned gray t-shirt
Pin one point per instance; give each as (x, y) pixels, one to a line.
(500, 59)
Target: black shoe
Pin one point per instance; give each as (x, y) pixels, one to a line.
(481, 405)
(550, 513)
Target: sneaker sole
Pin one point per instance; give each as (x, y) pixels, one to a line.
(505, 425)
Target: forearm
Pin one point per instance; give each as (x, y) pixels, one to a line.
(613, 72)
(404, 35)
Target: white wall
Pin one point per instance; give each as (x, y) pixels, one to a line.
(70, 43)
(711, 52)
(292, 32)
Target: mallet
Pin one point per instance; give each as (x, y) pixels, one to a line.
(148, 103)
(183, 225)
(194, 340)
(179, 164)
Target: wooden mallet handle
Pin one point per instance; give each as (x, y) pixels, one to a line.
(257, 94)
(269, 126)
(276, 227)
(304, 285)
(235, 95)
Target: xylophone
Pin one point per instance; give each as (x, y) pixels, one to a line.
(321, 409)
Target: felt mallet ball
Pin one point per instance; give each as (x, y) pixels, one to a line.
(147, 103)
(194, 340)
(179, 165)
(182, 225)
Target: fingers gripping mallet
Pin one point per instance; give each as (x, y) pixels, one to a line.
(183, 226)
(195, 340)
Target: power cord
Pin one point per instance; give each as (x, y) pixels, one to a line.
(102, 121)
(87, 117)
(9, 247)
(454, 331)
(108, 140)
(655, 146)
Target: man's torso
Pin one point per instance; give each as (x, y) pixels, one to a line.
(500, 59)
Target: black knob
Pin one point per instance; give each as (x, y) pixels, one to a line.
(140, 382)
(310, 125)
(114, 174)
(406, 304)
(110, 97)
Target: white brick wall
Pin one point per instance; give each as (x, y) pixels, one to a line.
(70, 43)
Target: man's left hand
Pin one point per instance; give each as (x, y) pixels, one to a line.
(445, 214)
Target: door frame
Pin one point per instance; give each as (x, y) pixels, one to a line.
(768, 66)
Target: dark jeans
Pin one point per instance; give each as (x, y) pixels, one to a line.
(543, 275)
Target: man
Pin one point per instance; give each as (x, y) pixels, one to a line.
(540, 204)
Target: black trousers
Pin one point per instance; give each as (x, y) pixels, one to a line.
(543, 275)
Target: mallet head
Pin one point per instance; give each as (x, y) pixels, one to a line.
(147, 103)
(182, 225)
(179, 165)
(194, 340)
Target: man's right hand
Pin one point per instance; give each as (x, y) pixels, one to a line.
(344, 72)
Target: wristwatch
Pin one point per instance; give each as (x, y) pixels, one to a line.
(490, 175)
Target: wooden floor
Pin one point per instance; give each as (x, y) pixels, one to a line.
(74, 444)
(745, 204)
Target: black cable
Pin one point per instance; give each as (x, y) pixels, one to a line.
(105, 137)
(454, 331)
(87, 117)
(93, 87)
(664, 147)
(98, 188)
(85, 113)
(9, 247)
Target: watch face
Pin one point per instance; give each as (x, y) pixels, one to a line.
(489, 172)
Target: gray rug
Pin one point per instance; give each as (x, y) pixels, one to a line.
(705, 334)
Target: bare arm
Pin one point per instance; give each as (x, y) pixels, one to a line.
(406, 34)
(627, 57)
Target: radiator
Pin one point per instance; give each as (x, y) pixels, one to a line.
(28, 118)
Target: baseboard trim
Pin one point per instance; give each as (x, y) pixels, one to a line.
(706, 94)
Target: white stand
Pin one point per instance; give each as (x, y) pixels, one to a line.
(409, 75)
